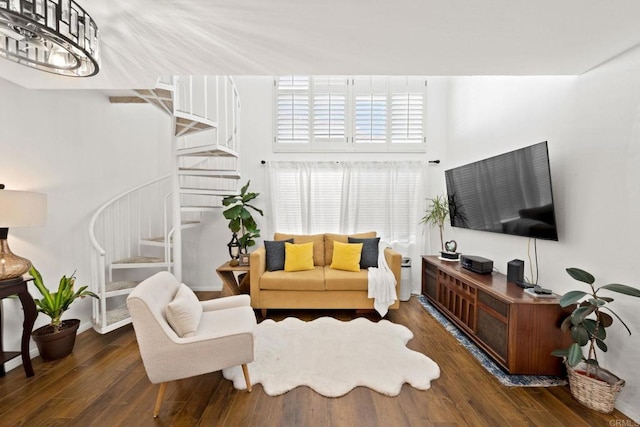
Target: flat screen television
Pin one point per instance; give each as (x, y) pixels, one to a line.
(510, 193)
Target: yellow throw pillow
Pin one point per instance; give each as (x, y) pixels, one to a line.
(298, 257)
(346, 256)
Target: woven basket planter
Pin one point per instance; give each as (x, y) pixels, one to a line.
(597, 390)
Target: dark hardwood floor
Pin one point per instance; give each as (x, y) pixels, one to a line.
(103, 383)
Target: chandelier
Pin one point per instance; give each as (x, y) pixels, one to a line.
(56, 36)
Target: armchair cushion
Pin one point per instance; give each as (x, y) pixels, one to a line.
(184, 312)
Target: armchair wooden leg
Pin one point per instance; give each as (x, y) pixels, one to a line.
(245, 371)
(161, 390)
(264, 313)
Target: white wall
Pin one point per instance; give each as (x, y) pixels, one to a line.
(80, 150)
(592, 123)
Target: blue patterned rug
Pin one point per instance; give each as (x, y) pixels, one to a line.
(486, 361)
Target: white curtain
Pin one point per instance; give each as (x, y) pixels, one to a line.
(349, 197)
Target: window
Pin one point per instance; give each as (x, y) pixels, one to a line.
(341, 113)
(347, 197)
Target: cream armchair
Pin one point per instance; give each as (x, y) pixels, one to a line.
(180, 337)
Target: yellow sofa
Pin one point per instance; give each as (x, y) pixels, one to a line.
(322, 287)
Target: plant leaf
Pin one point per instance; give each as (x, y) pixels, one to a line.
(571, 297)
(618, 317)
(566, 324)
(580, 313)
(595, 330)
(580, 335)
(622, 289)
(233, 212)
(575, 355)
(604, 319)
(563, 352)
(581, 275)
(601, 345)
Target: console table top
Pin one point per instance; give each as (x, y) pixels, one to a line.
(494, 283)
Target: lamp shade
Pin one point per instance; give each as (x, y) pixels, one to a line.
(22, 209)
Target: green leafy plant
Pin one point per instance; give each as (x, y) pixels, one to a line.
(55, 304)
(436, 215)
(240, 218)
(589, 321)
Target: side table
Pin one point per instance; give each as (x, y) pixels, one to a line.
(18, 287)
(232, 285)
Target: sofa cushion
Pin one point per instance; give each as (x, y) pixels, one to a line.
(298, 257)
(344, 238)
(184, 312)
(318, 244)
(309, 280)
(369, 257)
(340, 280)
(274, 253)
(346, 256)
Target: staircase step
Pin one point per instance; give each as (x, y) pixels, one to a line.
(153, 241)
(209, 173)
(119, 288)
(188, 124)
(208, 192)
(161, 97)
(139, 262)
(200, 208)
(210, 150)
(190, 224)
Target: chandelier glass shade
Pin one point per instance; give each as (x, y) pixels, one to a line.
(57, 36)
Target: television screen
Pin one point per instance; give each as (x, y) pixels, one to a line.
(509, 193)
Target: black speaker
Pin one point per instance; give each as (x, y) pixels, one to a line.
(515, 271)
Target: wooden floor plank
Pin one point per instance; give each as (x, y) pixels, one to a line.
(103, 383)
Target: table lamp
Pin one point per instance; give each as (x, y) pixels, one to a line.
(18, 209)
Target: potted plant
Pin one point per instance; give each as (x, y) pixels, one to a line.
(590, 384)
(436, 215)
(241, 220)
(56, 340)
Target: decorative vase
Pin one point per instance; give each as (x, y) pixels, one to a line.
(54, 345)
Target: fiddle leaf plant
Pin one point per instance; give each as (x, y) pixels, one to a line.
(590, 319)
(55, 304)
(240, 218)
(436, 215)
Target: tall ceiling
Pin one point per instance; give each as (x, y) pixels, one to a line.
(142, 39)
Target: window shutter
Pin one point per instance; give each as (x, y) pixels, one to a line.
(329, 108)
(407, 110)
(370, 109)
(292, 120)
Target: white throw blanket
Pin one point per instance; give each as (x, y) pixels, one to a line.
(382, 284)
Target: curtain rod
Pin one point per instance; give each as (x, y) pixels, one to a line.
(437, 162)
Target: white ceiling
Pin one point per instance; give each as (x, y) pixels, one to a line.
(142, 39)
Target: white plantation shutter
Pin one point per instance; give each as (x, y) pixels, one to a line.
(329, 108)
(292, 105)
(340, 113)
(370, 109)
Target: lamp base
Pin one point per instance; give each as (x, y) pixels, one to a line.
(11, 265)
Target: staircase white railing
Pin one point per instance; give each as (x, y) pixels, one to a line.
(119, 225)
(126, 229)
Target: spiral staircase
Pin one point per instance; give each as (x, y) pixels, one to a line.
(136, 234)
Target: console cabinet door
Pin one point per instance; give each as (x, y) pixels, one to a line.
(429, 280)
(493, 326)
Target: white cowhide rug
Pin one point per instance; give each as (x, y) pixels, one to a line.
(333, 357)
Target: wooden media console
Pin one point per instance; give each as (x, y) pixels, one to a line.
(517, 330)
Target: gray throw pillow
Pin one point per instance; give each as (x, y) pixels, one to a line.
(369, 257)
(275, 254)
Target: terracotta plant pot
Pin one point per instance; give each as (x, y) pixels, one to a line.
(56, 345)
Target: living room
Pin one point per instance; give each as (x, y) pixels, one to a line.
(81, 150)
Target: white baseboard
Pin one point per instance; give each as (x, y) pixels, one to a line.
(629, 410)
(33, 350)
